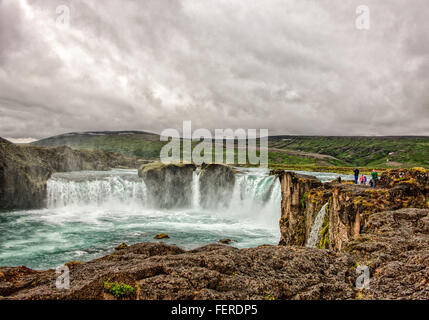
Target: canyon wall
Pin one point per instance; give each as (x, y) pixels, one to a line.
(302, 198)
(349, 205)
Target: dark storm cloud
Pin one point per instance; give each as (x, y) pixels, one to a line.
(293, 66)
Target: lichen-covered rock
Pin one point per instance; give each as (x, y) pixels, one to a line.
(24, 170)
(216, 185)
(350, 206)
(414, 181)
(394, 245)
(161, 236)
(168, 185)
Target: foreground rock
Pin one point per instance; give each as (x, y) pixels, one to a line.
(160, 271)
(24, 170)
(395, 247)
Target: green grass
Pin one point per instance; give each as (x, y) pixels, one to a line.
(119, 290)
(299, 152)
(363, 151)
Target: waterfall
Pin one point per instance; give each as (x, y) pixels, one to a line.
(196, 190)
(82, 189)
(314, 237)
(255, 198)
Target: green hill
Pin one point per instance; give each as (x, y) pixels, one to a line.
(308, 151)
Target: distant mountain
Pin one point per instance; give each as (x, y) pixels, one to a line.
(283, 150)
(138, 144)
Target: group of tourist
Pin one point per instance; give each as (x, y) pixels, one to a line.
(363, 179)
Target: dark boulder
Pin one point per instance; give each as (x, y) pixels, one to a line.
(168, 185)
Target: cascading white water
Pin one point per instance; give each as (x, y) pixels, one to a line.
(314, 237)
(255, 196)
(89, 213)
(196, 190)
(67, 190)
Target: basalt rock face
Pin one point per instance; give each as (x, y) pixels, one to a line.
(216, 185)
(160, 271)
(394, 245)
(24, 170)
(350, 205)
(302, 198)
(168, 185)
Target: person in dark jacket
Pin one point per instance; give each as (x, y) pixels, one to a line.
(374, 175)
(356, 171)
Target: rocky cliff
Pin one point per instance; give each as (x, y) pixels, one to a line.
(302, 198)
(394, 245)
(24, 170)
(168, 185)
(351, 205)
(171, 185)
(348, 205)
(216, 185)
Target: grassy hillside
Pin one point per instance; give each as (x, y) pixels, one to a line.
(363, 151)
(284, 151)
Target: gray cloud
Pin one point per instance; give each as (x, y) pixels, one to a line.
(293, 66)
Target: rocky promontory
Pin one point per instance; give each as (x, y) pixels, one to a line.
(168, 185)
(216, 185)
(348, 205)
(24, 170)
(172, 186)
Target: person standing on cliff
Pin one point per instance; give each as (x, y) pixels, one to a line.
(374, 175)
(356, 171)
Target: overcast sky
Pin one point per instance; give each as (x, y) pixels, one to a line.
(292, 66)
